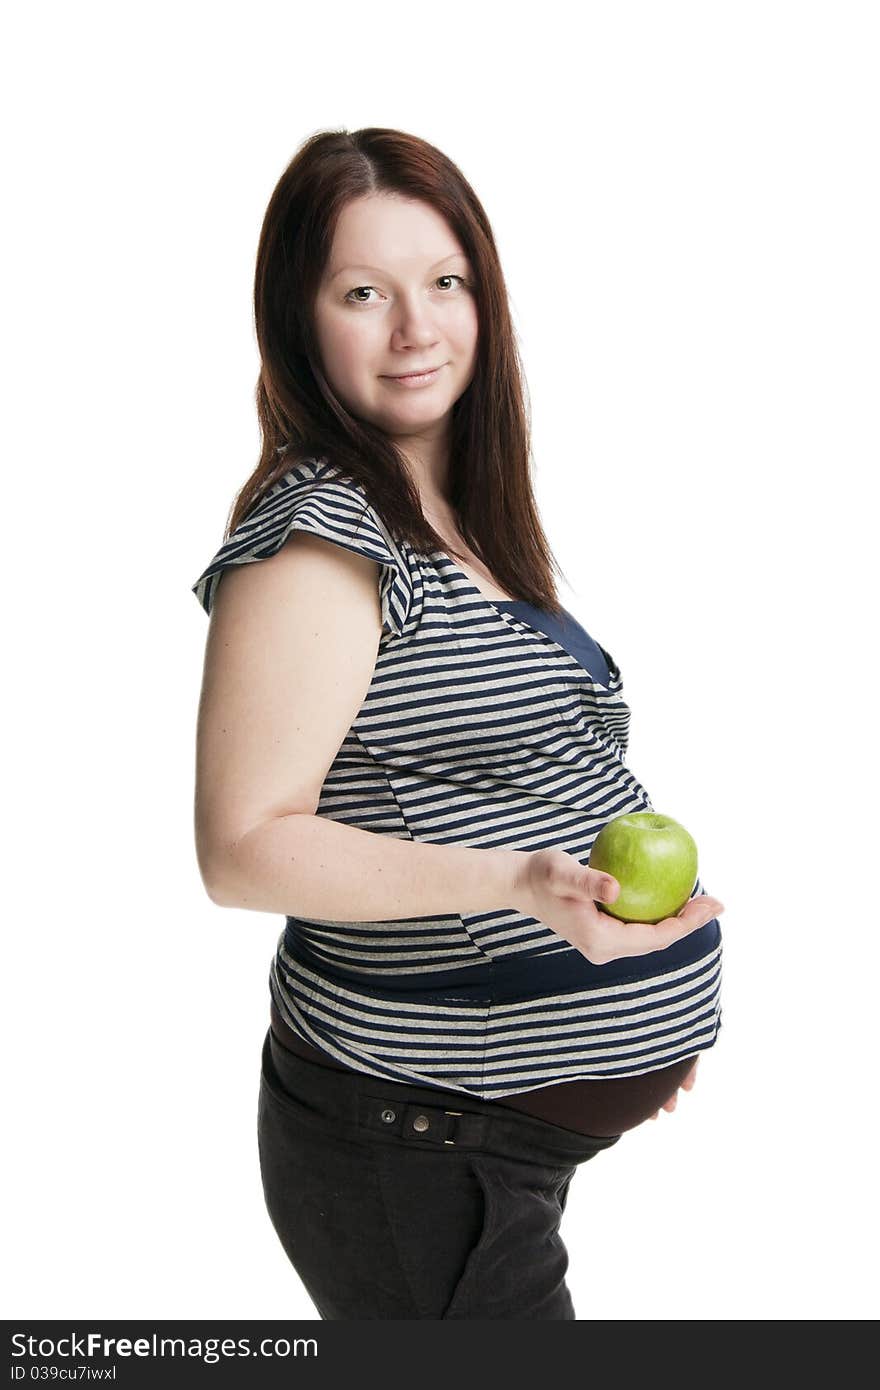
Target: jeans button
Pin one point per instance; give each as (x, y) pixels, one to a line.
(389, 1116)
(421, 1123)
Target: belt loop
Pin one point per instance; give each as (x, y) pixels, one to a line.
(451, 1126)
(397, 1116)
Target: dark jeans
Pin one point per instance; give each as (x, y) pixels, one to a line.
(395, 1201)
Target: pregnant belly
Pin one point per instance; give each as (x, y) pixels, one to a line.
(598, 1107)
(603, 1107)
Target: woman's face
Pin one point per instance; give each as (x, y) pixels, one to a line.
(396, 298)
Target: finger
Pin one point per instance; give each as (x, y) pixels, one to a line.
(696, 913)
(601, 887)
(670, 1104)
(702, 909)
(655, 1114)
(641, 938)
(707, 900)
(623, 939)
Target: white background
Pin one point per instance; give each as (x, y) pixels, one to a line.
(685, 201)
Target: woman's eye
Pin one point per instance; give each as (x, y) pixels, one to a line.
(358, 288)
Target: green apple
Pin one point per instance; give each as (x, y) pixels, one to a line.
(654, 860)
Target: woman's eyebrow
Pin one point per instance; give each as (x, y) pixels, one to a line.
(377, 270)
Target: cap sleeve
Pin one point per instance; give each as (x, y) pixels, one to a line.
(314, 497)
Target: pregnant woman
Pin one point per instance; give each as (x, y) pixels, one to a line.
(407, 747)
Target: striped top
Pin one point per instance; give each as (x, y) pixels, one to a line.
(479, 728)
(566, 631)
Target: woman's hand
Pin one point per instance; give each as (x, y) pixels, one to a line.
(686, 1085)
(553, 887)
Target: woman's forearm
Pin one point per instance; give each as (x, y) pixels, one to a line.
(310, 866)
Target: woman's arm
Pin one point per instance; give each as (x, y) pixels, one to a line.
(311, 866)
(290, 655)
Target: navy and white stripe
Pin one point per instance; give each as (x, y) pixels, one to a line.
(478, 729)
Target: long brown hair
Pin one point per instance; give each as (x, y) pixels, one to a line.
(300, 415)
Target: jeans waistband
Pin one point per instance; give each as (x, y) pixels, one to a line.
(392, 1112)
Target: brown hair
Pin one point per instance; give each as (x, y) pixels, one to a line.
(301, 417)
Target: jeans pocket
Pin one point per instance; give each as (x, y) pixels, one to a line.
(435, 1208)
(516, 1270)
(278, 1092)
(324, 1200)
(460, 1294)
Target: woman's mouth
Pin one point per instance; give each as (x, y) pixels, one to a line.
(416, 378)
